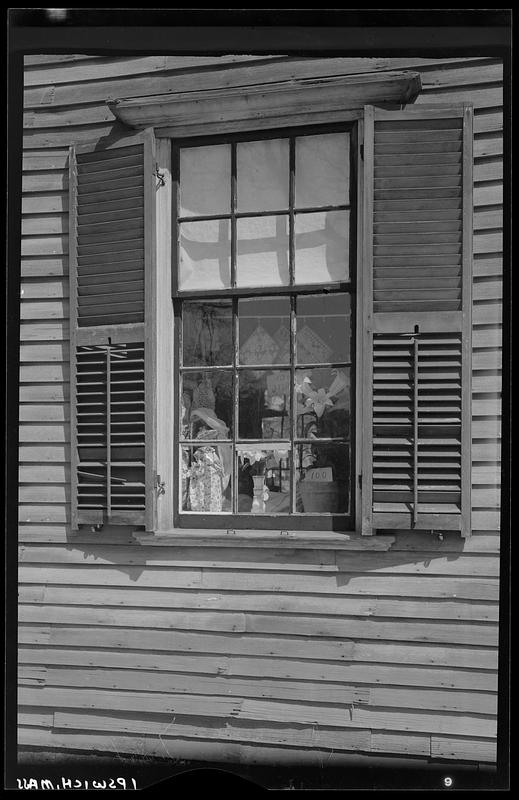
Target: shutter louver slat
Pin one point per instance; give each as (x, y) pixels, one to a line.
(437, 239)
(107, 331)
(418, 180)
(112, 438)
(438, 427)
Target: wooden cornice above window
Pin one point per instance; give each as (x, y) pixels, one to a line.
(267, 105)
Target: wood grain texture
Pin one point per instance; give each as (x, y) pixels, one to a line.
(279, 640)
(358, 716)
(482, 634)
(278, 604)
(470, 660)
(256, 580)
(249, 559)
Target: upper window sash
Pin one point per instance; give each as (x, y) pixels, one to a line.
(283, 200)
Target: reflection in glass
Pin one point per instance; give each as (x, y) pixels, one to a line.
(322, 403)
(322, 246)
(323, 328)
(263, 478)
(205, 255)
(322, 478)
(262, 251)
(264, 404)
(205, 180)
(322, 170)
(206, 478)
(207, 333)
(206, 405)
(262, 175)
(264, 330)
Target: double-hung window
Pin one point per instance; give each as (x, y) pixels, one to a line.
(271, 327)
(265, 301)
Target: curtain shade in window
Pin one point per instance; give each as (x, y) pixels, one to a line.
(417, 318)
(111, 253)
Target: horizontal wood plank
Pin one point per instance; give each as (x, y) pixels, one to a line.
(39, 474)
(45, 203)
(44, 412)
(97, 68)
(37, 512)
(468, 659)
(29, 432)
(267, 732)
(222, 562)
(45, 351)
(44, 392)
(482, 634)
(175, 748)
(461, 587)
(186, 78)
(280, 604)
(44, 310)
(463, 749)
(43, 288)
(44, 245)
(358, 717)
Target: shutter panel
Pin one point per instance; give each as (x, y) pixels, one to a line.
(416, 265)
(112, 199)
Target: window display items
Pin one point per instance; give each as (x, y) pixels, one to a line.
(209, 473)
(323, 468)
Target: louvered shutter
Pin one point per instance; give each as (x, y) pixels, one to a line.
(417, 230)
(112, 230)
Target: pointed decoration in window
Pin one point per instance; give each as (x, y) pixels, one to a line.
(282, 339)
(310, 347)
(260, 348)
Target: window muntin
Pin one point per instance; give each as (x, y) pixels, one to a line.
(274, 212)
(265, 376)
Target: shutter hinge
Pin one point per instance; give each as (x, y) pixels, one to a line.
(362, 152)
(360, 480)
(159, 175)
(160, 486)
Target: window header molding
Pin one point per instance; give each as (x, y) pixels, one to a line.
(267, 105)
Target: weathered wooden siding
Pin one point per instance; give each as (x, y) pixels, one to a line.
(250, 653)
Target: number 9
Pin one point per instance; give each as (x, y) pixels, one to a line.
(447, 782)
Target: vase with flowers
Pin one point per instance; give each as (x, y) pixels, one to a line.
(322, 463)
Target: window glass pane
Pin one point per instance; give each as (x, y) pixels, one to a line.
(262, 251)
(322, 246)
(205, 255)
(322, 170)
(264, 330)
(207, 333)
(262, 175)
(322, 403)
(205, 478)
(206, 409)
(263, 479)
(322, 478)
(205, 180)
(323, 328)
(264, 404)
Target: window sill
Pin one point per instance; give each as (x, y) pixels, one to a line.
(183, 537)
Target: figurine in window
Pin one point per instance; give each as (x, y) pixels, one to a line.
(211, 468)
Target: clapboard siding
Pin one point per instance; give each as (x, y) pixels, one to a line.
(258, 654)
(173, 683)
(116, 597)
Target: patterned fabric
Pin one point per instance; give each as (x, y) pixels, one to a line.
(205, 486)
(203, 395)
(260, 348)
